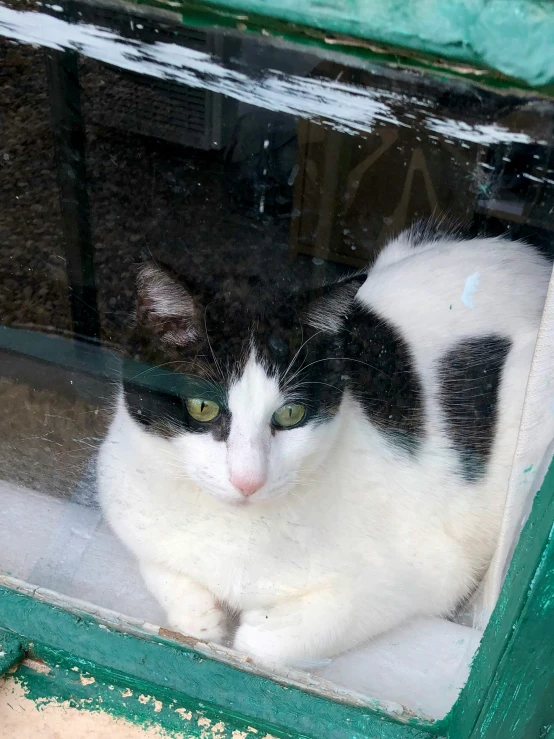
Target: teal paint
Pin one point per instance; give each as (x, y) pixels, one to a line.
(523, 697)
(511, 684)
(60, 351)
(75, 683)
(528, 469)
(11, 651)
(90, 359)
(515, 37)
(154, 663)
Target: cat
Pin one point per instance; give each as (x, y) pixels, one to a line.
(330, 464)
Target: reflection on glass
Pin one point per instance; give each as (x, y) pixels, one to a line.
(219, 418)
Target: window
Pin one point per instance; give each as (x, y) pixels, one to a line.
(187, 217)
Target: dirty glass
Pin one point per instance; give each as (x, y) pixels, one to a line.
(210, 169)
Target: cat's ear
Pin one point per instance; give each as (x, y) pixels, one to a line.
(328, 306)
(165, 307)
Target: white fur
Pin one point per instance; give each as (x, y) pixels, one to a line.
(347, 535)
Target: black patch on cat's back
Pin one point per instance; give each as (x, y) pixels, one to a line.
(383, 376)
(470, 374)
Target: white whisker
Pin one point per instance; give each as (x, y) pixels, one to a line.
(216, 362)
(303, 344)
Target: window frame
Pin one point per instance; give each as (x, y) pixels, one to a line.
(461, 38)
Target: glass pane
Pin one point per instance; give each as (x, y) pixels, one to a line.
(268, 318)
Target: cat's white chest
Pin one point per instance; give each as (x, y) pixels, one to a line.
(245, 559)
(250, 560)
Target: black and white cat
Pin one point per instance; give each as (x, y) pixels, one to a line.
(346, 466)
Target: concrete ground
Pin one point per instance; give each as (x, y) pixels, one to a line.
(21, 718)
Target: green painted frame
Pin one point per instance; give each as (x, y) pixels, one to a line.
(126, 654)
(461, 37)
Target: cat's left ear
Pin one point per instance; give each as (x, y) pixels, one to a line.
(165, 307)
(328, 306)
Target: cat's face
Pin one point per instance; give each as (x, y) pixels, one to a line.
(254, 382)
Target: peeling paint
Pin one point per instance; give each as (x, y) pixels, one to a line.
(143, 710)
(37, 665)
(86, 680)
(60, 615)
(70, 718)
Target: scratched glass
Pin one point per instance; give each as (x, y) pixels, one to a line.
(217, 154)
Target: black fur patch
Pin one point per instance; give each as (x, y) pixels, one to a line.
(165, 414)
(314, 367)
(470, 376)
(382, 376)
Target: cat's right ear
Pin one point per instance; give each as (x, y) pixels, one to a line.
(165, 307)
(329, 305)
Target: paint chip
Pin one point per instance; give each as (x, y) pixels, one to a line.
(158, 705)
(203, 721)
(143, 699)
(37, 665)
(126, 693)
(471, 285)
(86, 680)
(184, 714)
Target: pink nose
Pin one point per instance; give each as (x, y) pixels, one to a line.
(247, 485)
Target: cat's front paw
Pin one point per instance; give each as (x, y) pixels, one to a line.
(201, 618)
(191, 609)
(274, 636)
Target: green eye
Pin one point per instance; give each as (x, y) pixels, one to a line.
(202, 410)
(289, 415)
